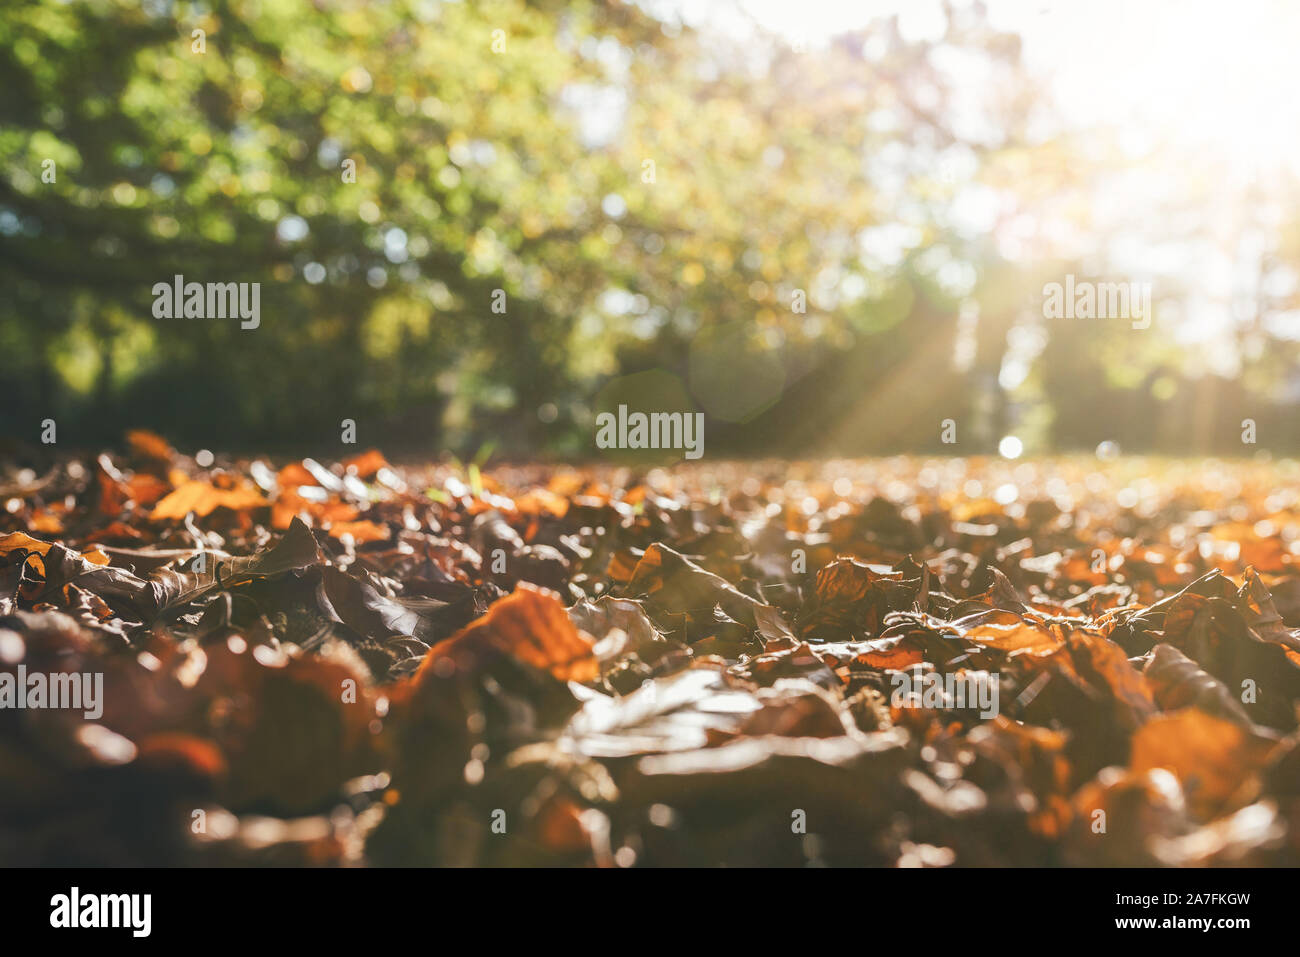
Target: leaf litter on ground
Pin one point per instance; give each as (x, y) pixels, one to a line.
(312, 663)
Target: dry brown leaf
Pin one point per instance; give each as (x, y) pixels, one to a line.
(532, 625)
(1216, 760)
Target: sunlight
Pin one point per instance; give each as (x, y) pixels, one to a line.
(1197, 79)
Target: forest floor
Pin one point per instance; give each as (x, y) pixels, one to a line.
(896, 662)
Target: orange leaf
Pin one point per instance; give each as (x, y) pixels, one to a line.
(1212, 757)
(362, 531)
(366, 464)
(203, 498)
(530, 624)
(1008, 632)
(293, 475)
(150, 445)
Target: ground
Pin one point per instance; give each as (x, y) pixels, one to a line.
(897, 662)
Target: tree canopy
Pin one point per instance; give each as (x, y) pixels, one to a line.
(487, 221)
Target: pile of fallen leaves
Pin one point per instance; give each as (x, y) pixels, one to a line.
(361, 663)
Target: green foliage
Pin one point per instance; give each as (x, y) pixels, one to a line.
(546, 196)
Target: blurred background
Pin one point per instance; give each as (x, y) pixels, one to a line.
(825, 225)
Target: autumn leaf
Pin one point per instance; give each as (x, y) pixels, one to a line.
(203, 498)
(529, 624)
(1216, 760)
